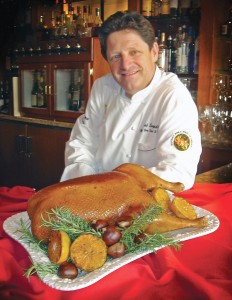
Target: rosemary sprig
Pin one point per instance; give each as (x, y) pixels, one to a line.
(28, 237)
(139, 223)
(62, 219)
(43, 269)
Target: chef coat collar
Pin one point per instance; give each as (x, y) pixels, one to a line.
(141, 95)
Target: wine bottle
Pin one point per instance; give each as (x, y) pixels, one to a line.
(173, 8)
(162, 52)
(76, 99)
(71, 90)
(41, 91)
(170, 61)
(185, 6)
(165, 8)
(35, 90)
(97, 22)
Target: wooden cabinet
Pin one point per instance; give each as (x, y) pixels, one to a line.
(31, 154)
(58, 71)
(213, 49)
(213, 157)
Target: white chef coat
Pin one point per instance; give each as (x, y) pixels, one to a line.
(157, 128)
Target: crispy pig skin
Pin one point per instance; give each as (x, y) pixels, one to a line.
(103, 196)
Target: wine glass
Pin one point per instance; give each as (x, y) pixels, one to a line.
(203, 117)
(214, 120)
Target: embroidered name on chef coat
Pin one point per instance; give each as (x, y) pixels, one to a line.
(149, 127)
(181, 141)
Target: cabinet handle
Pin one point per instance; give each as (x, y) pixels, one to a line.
(49, 90)
(20, 144)
(28, 147)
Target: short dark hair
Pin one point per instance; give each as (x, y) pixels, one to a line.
(126, 20)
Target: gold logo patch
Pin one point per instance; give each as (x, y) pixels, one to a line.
(181, 141)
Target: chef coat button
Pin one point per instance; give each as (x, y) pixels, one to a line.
(128, 155)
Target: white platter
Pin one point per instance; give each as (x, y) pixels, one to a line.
(12, 227)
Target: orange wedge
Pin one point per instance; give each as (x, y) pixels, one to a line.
(183, 209)
(58, 246)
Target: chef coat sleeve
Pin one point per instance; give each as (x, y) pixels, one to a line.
(179, 143)
(81, 147)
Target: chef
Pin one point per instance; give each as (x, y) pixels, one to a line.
(138, 113)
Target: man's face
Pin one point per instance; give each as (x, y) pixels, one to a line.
(131, 61)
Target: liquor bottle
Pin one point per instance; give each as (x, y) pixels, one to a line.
(63, 26)
(170, 60)
(226, 28)
(162, 52)
(191, 52)
(87, 30)
(196, 54)
(165, 8)
(1, 96)
(185, 6)
(90, 16)
(97, 22)
(155, 8)
(79, 21)
(35, 90)
(174, 8)
(182, 53)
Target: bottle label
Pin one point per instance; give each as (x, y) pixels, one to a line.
(174, 4)
(33, 100)
(161, 59)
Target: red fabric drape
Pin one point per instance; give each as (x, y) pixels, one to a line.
(201, 270)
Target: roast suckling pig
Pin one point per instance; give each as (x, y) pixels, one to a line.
(104, 196)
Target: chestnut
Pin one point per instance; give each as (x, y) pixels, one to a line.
(124, 221)
(116, 250)
(99, 224)
(112, 235)
(67, 270)
(139, 238)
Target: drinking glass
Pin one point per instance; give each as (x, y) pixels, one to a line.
(214, 120)
(203, 117)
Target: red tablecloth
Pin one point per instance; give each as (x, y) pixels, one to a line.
(201, 270)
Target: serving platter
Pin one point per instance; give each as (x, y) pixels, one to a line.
(12, 227)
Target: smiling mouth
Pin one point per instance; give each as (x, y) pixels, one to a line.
(129, 73)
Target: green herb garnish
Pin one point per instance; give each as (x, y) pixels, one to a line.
(62, 219)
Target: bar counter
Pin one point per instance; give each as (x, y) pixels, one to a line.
(219, 175)
(201, 269)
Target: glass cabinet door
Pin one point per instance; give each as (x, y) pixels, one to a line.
(71, 87)
(33, 86)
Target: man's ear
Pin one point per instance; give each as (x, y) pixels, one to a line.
(155, 51)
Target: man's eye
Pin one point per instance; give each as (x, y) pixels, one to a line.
(134, 52)
(115, 57)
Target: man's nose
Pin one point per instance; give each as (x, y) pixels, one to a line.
(125, 61)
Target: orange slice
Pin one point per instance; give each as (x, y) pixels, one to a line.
(183, 209)
(58, 246)
(88, 252)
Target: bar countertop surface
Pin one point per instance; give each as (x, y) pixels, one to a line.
(220, 175)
